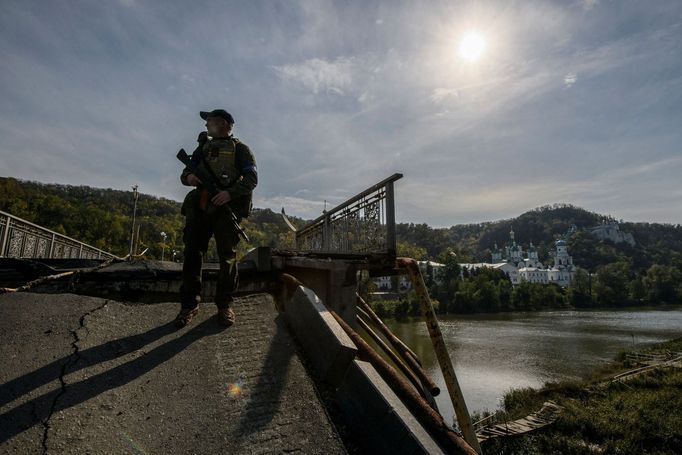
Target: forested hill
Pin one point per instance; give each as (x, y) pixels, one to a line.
(655, 243)
(102, 217)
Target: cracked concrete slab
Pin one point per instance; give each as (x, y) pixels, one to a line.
(135, 384)
(36, 336)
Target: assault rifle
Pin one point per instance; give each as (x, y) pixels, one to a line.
(210, 185)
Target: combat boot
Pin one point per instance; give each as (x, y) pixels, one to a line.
(226, 316)
(185, 316)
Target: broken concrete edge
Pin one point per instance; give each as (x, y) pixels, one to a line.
(20, 270)
(258, 259)
(335, 282)
(328, 348)
(374, 414)
(378, 416)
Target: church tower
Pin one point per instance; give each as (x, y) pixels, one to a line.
(562, 258)
(496, 255)
(533, 259)
(515, 255)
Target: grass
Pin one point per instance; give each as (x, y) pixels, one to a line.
(641, 415)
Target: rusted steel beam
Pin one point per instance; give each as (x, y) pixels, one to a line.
(456, 396)
(405, 352)
(289, 283)
(432, 421)
(391, 244)
(395, 341)
(392, 355)
(371, 322)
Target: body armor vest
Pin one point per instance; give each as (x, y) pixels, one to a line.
(220, 160)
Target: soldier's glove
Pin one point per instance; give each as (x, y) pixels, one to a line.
(203, 137)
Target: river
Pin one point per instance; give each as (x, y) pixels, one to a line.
(493, 353)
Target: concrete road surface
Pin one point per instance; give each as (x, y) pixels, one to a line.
(92, 376)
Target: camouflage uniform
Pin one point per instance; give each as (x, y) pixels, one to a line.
(233, 167)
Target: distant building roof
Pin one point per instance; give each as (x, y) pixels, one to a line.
(431, 263)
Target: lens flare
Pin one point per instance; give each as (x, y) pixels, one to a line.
(235, 390)
(137, 448)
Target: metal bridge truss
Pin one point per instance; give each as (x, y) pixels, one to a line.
(22, 239)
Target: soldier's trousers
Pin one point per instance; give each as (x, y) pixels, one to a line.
(199, 227)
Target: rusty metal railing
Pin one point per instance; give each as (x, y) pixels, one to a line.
(364, 224)
(22, 239)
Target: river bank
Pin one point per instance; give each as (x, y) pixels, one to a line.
(638, 415)
(408, 308)
(494, 353)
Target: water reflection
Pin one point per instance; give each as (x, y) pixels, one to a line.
(494, 353)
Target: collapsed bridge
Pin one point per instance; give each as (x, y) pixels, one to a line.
(387, 406)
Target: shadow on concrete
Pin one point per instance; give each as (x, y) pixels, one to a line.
(265, 396)
(40, 409)
(22, 385)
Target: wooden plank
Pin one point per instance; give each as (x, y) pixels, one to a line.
(545, 416)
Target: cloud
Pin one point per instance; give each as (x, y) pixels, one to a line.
(318, 75)
(635, 192)
(188, 79)
(636, 172)
(589, 4)
(301, 207)
(441, 94)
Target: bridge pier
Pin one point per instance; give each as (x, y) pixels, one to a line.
(335, 282)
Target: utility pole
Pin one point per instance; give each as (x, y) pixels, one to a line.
(163, 248)
(132, 227)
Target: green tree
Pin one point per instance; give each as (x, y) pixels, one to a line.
(521, 296)
(410, 250)
(611, 284)
(465, 299)
(546, 296)
(504, 290)
(661, 284)
(447, 279)
(637, 290)
(579, 293)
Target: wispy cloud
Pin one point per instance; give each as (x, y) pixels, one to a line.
(300, 207)
(441, 94)
(318, 75)
(589, 4)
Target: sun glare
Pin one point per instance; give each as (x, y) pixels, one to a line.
(472, 46)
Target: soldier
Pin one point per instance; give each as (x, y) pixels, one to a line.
(232, 166)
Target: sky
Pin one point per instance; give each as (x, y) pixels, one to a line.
(576, 102)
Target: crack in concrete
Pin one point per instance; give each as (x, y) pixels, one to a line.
(72, 360)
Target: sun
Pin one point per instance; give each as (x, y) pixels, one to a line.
(472, 46)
